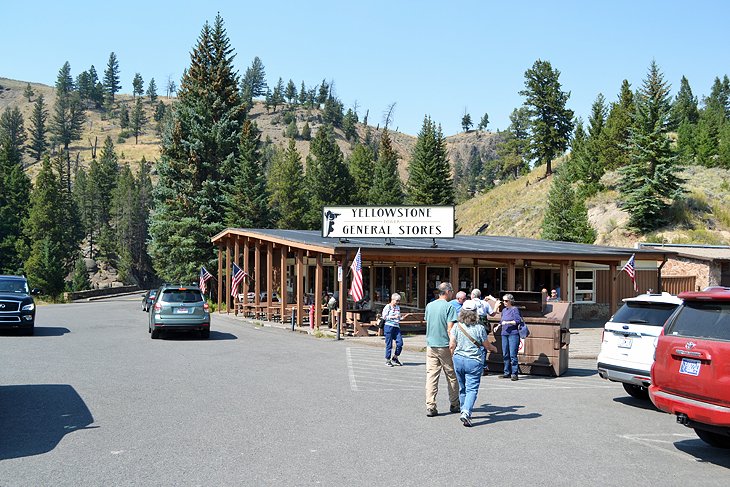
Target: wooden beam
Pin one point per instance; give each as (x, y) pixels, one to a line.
(318, 292)
(220, 276)
(269, 278)
(228, 276)
(246, 269)
(511, 275)
(284, 293)
(613, 292)
(257, 272)
(300, 287)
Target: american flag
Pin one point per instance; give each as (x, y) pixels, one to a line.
(630, 268)
(238, 276)
(204, 276)
(356, 290)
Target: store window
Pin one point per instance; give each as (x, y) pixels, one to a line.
(406, 284)
(466, 280)
(434, 277)
(383, 283)
(585, 286)
(492, 280)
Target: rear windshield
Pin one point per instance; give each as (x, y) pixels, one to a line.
(643, 313)
(702, 319)
(178, 296)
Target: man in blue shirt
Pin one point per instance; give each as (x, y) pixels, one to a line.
(458, 301)
(440, 317)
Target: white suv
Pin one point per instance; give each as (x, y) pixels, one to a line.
(629, 340)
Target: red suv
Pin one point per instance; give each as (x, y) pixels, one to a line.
(691, 372)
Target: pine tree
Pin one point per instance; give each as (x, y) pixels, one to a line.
(15, 190)
(429, 180)
(566, 217)
(137, 85)
(292, 131)
(685, 105)
(170, 87)
(551, 123)
(45, 264)
(588, 160)
(141, 259)
(152, 91)
(615, 135)
(160, 110)
(12, 134)
(86, 197)
(287, 189)
(291, 92)
(84, 86)
(466, 122)
(123, 116)
(29, 93)
(139, 120)
(323, 92)
(196, 168)
(387, 188)
(68, 117)
(361, 165)
(255, 78)
(103, 177)
(306, 132)
(97, 88)
(302, 94)
(348, 125)
(80, 279)
(484, 122)
(123, 212)
(328, 180)
(111, 78)
(277, 98)
(649, 182)
(248, 196)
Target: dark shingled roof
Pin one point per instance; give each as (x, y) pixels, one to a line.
(460, 243)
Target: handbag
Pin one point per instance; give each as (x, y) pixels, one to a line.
(381, 321)
(523, 330)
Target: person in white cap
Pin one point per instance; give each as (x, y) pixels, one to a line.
(484, 309)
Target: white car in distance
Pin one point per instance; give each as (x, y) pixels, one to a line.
(629, 340)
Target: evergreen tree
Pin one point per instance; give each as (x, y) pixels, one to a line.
(139, 120)
(111, 78)
(15, 190)
(291, 92)
(123, 116)
(287, 189)
(68, 117)
(512, 152)
(333, 113)
(142, 263)
(12, 134)
(649, 182)
(84, 86)
(97, 88)
(361, 165)
(566, 217)
(615, 135)
(86, 197)
(484, 122)
(248, 197)
(152, 91)
(302, 94)
(123, 205)
(306, 132)
(103, 177)
(551, 123)
(170, 87)
(80, 279)
(255, 78)
(159, 111)
(292, 131)
(137, 85)
(588, 160)
(196, 168)
(466, 122)
(45, 264)
(328, 180)
(277, 98)
(429, 181)
(387, 188)
(38, 129)
(685, 105)
(29, 93)
(348, 125)
(723, 149)
(324, 92)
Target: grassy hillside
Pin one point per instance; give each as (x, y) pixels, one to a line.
(517, 208)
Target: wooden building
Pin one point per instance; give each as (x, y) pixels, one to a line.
(302, 267)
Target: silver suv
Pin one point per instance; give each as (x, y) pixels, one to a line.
(629, 340)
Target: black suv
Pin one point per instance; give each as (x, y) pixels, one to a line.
(17, 309)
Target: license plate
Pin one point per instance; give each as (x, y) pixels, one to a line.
(180, 311)
(625, 343)
(690, 366)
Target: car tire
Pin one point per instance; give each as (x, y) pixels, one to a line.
(713, 439)
(205, 334)
(155, 334)
(637, 391)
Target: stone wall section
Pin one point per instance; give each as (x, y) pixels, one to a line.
(707, 273)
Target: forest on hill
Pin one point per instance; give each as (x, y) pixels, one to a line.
(142, 181)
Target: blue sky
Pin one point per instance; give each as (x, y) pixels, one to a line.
(432, 58)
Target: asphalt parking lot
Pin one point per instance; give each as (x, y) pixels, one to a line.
(91, 400)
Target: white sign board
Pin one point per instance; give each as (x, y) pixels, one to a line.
(388, 221)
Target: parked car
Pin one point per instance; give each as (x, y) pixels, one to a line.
(691, 374)
(148, 299)
(17, 308)
(179, 308)
(629, 339)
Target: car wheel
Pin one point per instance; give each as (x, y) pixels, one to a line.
(714, 439)
(637, 391)
(205, 334)
(155, 334)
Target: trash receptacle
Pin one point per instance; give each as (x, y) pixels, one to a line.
(545, 351)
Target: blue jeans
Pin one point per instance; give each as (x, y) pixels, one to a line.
(392, 333)
(469, 375)
(510, 344)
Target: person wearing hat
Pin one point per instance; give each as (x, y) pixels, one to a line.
(484, 310)
(468, 342)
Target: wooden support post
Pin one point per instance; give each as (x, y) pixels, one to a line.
(228, 275)
(247, 270)
(284, 293)
(235, 261)
(318, 277)
(300, 287)
(220, 276)
(613, 294)
(511, 275)
(455, 275)
(269, 278)
(423, 292)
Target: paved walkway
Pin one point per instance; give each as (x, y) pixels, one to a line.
(585, 336)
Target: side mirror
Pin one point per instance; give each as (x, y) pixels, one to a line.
(35, 291)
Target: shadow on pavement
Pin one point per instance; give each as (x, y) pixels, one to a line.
(497, 414)
(193, 335)
(34, 418)
(41, 331)
(637, 403)
(579, 372)
(704, 452)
